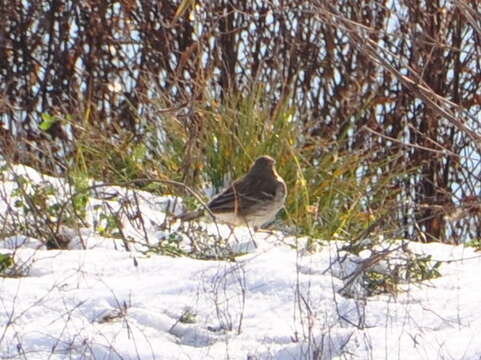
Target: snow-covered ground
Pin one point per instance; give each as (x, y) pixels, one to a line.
(108, 298)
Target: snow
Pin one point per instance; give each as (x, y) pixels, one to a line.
(103, 299)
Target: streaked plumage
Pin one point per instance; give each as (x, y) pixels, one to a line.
(252, 200)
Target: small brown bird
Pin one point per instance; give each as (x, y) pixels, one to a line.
(252, 200)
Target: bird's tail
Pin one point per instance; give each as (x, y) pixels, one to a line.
(191, 215)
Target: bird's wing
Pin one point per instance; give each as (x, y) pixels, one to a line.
(241, 195)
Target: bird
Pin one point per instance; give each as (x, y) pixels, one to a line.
(252, 200)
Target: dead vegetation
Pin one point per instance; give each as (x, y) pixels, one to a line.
(130, 87)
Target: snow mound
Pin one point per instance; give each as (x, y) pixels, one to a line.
(114, 296)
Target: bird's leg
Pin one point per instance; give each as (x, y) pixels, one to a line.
(269, 232)
(231, 232)
(251, 233)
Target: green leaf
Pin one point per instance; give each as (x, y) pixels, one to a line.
(48, 121)
(6, 261)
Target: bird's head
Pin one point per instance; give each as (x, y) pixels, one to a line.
(263, 165)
